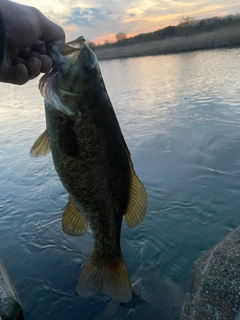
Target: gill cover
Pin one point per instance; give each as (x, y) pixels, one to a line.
(66, 67)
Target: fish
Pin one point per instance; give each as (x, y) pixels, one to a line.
(93, 163)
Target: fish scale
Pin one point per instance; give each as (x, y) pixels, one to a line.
(93, 163)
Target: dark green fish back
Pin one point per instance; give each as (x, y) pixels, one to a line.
(92, 151)
(93, 164)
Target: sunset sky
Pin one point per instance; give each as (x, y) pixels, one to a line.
(101, 20)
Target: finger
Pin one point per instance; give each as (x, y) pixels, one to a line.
(47, 63)
(39, 47)
(18, 60)
(50, 31)
(33, 51)
(17, 74)
(24, 53)
(34, 67)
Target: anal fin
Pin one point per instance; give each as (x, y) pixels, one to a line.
(137, 204)
(41, 146)
(73, 222)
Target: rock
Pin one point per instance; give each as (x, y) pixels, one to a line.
(214, 287)
(10, 306)
(155, 297)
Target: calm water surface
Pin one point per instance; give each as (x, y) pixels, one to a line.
(180, 116)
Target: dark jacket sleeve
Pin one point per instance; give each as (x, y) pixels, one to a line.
(2, 39)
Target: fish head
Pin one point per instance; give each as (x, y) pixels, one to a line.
(75, 62)
(73, 77)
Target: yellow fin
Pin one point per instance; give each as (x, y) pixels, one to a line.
(41, 146)
(137, 204)
(110, 278)
(73, 222)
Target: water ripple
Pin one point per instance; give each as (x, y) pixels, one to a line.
(180, 117)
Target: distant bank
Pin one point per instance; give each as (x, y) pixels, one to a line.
(226, 37)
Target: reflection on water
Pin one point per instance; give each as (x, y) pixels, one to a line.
(180, 117)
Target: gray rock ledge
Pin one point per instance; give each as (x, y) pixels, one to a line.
(214, 288)
(10, 306)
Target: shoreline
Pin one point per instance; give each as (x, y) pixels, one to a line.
(222, 38)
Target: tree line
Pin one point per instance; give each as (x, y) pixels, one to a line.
(187, 27)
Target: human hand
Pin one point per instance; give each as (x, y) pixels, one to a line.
(26, 32)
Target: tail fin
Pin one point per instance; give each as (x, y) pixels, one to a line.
(108, 278)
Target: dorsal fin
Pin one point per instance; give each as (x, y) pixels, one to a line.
(137, 204)
(73, 222)
(41, 146)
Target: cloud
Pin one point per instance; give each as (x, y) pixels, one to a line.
(101, 19)
(87, 17)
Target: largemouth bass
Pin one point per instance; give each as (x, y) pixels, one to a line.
(93, 163)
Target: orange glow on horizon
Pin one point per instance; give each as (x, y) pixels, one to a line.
(109, 38)
(100, 24)
(154, 23)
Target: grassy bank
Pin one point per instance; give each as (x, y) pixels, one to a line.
(224, 37)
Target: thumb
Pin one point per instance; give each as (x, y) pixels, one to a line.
(51, 32)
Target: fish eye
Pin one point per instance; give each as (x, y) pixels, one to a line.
(87, 66)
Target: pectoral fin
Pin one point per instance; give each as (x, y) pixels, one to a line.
(41, 146)
(73, 222)
(137, 204)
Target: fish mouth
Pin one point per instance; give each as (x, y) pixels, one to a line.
(72, 46)
(61, 52)
(64, 54)
(68, 58)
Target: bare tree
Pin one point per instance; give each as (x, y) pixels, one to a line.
(186, 21)
(92, 44)
(121, 36)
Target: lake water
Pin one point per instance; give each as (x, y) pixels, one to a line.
(180, 116)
